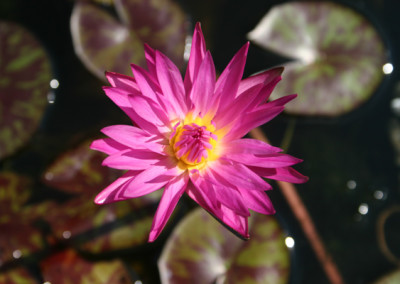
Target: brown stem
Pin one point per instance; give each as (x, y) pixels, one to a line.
(306, 223)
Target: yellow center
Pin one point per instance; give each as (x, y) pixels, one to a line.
(194, 142)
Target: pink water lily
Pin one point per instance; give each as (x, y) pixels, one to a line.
(188, 137)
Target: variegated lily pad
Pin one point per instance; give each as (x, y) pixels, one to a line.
(103, 42)
(18, 237)
(79, 171)
(338, 55)
(201, 250)
(391, 278)
(17, 276)
(68, 267)
(24, 84)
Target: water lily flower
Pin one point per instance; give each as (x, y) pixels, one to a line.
(187, 137)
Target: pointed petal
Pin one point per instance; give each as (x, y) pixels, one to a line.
(203, 87)
(287, 174)
(227, 85)
(170, 80)
(261, 78)
(258, 201)
(151, 179)
(249, 146)
(252, 120)
(132, 160)
(135, 138)
(239, 176)
(236, 222)
(120, 98)
(197, 53)
(282, 101)
(276, 160)
(113, 192)
(107, 145)
(148, 111)
(122, 82)
(150, 55)
(171, 195)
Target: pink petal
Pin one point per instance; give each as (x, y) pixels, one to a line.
(120, 98)
(236, 222)
(171, 195)
(257, 201)
(197, 54)
(263, 95)
(170, 80)
(252, 120)
(203, 87)
(227, 85)
(149, 88)
(149, 180)
(113, 192)
(287, 174)
(239, 176)
(122, 82)
(249, 146)
(261, 78)
(202, 191)
(132, 160)
(237, 107)
(135, 138)
(150, 55)
(282, 101)
(107, 145)
(149, 115)
(277, 160)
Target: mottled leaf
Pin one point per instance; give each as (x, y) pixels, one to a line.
(104, 42)
(18, 239)
(391, 278)
(24, 83)
(201, 250)
(123, 236)
(68, 267)
(14, 192)
(79, 171)
(338, 55)
(17, 276)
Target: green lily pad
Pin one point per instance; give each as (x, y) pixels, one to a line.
(338, 56)
(79, 171)
(17, 276)
(24, 84)
(68, 267)
(391, 278)
(103, 42)
(18, 237)
(201, 250)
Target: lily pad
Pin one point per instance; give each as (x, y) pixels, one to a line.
(201, 250)
(19, 238)
(104, 42)
(24, 84)
(17, 276)
(68, 267)
(79, 171)
(391, 278)
(338, 56)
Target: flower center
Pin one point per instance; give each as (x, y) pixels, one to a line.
(192, 143)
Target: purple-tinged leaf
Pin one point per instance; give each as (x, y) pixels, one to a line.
(338, 56)
(104, 42)
(17, 275)
(24, 84)
(200, 250)
(68, 267)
